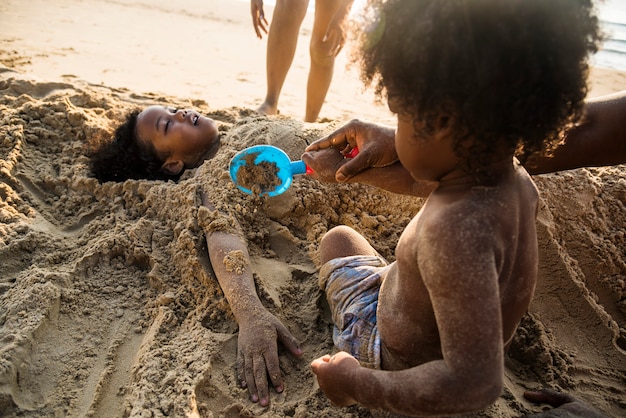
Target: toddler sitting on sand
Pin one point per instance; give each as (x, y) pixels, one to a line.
(473, 83)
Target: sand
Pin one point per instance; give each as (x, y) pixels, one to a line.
(108, 306)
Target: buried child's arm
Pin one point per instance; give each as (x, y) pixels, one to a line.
(599, 140)
(259, 330)
(375, 164)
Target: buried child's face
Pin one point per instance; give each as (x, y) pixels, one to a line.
(179, 134)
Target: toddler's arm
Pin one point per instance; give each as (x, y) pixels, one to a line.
(376, 163)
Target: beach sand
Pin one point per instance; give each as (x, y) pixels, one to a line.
(108, 306)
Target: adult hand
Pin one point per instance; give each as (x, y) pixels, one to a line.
(257, 354)
(565, 404)
(376, 144)
(334, 375)
(258, 17)
(335, 34)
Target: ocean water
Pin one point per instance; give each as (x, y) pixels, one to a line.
(612, 14)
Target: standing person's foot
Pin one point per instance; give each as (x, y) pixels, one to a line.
(267, 109)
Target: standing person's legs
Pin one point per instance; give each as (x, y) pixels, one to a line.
(281, 47)
(322, 61)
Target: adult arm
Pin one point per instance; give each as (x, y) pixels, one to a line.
(375, 164)
(259, 330)
(599, 140)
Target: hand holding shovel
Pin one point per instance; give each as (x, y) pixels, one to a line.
(267, 170)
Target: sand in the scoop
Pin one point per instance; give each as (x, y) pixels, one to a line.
(259, 177)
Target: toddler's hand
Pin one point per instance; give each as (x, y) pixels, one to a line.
(325, 163)
(336, 376)
(376, 144)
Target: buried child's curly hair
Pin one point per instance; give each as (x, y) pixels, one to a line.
(124, 156)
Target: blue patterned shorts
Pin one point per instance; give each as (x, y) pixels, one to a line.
(351, 285)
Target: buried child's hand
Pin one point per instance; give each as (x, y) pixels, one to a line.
(257, 354)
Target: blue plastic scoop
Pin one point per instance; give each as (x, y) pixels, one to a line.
(266, 170)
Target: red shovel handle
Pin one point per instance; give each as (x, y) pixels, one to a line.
(353, 153)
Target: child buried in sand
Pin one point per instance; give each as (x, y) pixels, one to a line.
(473, 83)
(160, 143)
